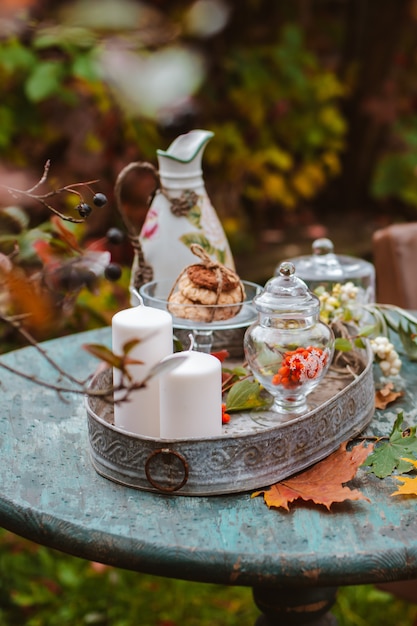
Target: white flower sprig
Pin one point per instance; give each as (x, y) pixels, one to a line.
(341, 304)
(386, 356)
(345, 303)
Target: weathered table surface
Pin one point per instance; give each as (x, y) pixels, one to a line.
(51, 494)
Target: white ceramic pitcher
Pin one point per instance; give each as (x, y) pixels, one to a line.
(181, 212)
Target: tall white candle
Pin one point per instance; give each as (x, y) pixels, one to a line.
(191, 398)
(153, 327)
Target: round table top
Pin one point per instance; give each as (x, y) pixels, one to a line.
(51, 494)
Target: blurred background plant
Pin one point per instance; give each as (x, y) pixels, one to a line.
(312, 102)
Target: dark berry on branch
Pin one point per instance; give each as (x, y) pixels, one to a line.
(84, 209)
(113, 272)
(100, 199)
(115, 235)
(70, 278)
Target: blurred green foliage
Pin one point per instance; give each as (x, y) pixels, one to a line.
(30, 76)
(278, 89)
(279, 128)
(396, 174)
(43, 587)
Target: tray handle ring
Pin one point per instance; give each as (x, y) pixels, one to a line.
(154, 483)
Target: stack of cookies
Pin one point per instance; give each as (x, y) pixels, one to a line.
(206, 291)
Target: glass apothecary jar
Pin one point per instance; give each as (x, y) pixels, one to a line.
(324, 269)
(288, 348)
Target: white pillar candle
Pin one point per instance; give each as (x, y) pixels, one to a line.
(139, 414)
(191, 398)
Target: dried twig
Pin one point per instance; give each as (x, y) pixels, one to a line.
(43, 197)
(106, 394)
(15, 323)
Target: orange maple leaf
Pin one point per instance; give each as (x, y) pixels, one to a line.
(409, 484)
(323, 483)
(386, 395)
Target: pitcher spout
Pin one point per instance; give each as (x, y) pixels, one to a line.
(181, 164)
(187, 147)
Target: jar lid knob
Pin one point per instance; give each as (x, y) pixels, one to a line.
(287, 269)
(322, 246)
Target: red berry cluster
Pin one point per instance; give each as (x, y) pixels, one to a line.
(299, 366)
(225, 416)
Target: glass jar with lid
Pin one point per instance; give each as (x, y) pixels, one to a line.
(288, 348)
(324, 269)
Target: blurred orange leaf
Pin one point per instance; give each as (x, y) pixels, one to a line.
(29, 300)
(44, 251)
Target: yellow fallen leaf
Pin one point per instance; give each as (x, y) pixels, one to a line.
(409, 484)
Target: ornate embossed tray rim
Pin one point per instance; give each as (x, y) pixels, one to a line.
(244, 458)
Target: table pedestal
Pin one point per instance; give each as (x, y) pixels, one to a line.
(295, 607)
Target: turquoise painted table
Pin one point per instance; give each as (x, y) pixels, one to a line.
(294, 560)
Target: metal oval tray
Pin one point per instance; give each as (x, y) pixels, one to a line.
(255, 450)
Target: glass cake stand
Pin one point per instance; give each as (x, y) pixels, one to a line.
(202, 320)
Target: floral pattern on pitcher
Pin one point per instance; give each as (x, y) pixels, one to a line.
(209, 232)
(150, 226)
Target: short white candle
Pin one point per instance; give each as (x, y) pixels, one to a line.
(191, 398)
(139, 414)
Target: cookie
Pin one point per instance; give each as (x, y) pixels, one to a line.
(203, 292)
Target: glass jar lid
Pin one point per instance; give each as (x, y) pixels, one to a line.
(286, 294)
(324, 264)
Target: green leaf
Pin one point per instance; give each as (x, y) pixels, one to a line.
(67, 38)
(408, 337)
(245, 395)
(342, 344)
(13, 219)
(239, 371)
(84, 66)
(366, 331)
(359, 343)
(45, 81)
(389, 455)
(14, 56)
(7, 125)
